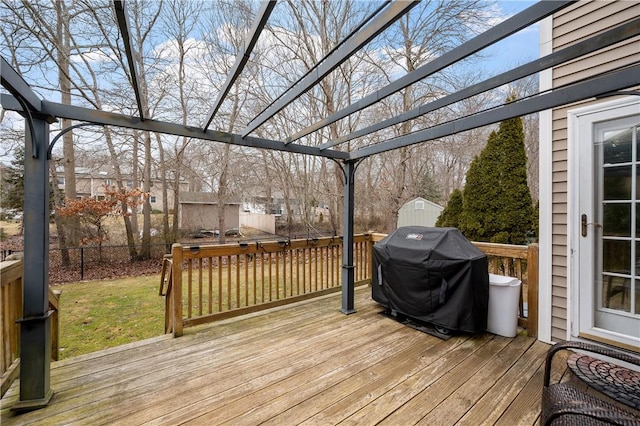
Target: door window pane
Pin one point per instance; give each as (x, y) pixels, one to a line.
(617, 183)
(617, 146)
(616, 220)
(616, 256)
(637, 224)
(616, 293)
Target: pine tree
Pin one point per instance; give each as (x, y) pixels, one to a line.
(450, 216)
(13, 182)
(497, 205)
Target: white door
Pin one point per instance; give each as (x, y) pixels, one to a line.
(606, 280)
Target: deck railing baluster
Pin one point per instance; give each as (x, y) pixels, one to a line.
(200, 287)
(210, 283)
(229, 290)
(246, 279)
(189, 288)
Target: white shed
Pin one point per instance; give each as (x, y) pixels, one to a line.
(419, 212)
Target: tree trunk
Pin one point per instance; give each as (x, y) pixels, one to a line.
(57, 201)
(65, 97)
(166, 231)
(145, 250)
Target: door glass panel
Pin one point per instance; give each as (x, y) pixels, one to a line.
(616, 220)
(637, 139)
(617, 183)
(616, 256)
(615, 293)
(616, 195)
(637, 225)
(617, 146)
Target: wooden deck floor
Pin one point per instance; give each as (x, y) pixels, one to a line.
(303, 364)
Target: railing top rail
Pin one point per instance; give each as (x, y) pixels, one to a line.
(10, 270)
(257, 247)
(504, 250)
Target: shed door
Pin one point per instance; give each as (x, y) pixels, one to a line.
(608, 223)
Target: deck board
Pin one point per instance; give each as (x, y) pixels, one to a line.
(302, 364)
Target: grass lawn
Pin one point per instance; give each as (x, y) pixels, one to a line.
(9, 229)
(101, 314)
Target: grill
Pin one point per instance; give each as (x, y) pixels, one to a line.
(434, 275)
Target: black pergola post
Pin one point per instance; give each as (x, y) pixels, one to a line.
(35, 325)
(348, 278)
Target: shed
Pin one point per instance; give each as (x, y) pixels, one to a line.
(199, 210)
(419, 212)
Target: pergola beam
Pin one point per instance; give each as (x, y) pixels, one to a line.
(352, 45)
(590, 45)
(123, 24)
(585, 89)
(529, 16)
(15, 84)
(120, 120)
(242, 58)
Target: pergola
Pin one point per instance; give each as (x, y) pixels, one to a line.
(35, 390)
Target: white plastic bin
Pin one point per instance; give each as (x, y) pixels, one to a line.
(504, 295)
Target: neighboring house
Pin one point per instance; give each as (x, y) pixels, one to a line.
(256, 201)
(419, 212)
(199, 210)
(589, 189)
(91, 183)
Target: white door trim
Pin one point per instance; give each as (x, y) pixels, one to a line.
(545, 188)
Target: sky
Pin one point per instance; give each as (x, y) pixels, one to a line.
(518, 48)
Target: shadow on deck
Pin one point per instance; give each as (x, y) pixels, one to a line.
(305, 363)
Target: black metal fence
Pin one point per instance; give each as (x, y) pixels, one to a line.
(92, 262)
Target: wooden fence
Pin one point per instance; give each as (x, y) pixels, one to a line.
(10, 311)
(208, 283)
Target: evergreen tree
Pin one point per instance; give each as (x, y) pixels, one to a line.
(450, 216)
(428, 188)
(497, 205)
(478, 216)
(13, 182)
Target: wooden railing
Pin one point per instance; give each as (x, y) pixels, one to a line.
(10, 311)
(520, 262)
(208, 283)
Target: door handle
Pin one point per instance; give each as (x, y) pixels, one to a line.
(584, 224)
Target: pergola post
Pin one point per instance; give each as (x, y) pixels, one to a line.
(348, 278)
(35, 325)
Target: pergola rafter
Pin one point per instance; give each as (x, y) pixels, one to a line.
(510, 26)
(353, 43)
(588, 88)
(123, 24)
(242, 58)
(38, 113)
(590, 45)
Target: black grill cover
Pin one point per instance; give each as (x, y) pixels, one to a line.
(434, 275)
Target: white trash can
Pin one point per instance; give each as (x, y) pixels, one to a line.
(504, 295)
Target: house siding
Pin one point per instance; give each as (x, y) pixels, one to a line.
(569, 26)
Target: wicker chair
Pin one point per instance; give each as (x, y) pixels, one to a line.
(565, 404)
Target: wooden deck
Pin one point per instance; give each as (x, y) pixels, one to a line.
(307, 363)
